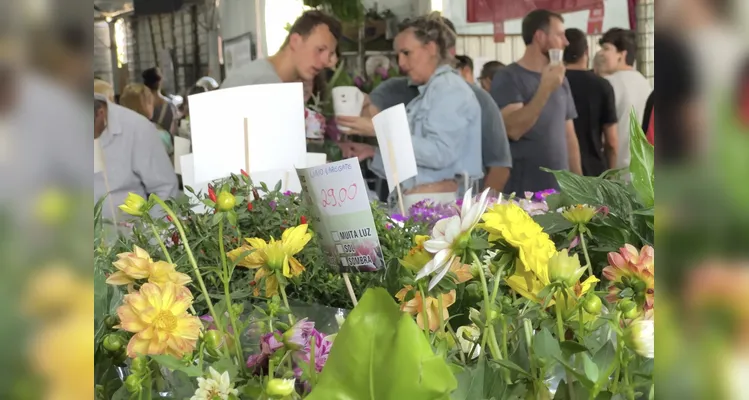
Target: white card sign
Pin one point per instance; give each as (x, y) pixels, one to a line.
(181, 148)
(275, 130)
(396, 148)
(342, 216)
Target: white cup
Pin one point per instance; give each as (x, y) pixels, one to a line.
(347, 102)
(555, 56)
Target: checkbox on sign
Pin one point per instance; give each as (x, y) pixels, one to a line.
(336, 236)
(344, 262)
(339, 248)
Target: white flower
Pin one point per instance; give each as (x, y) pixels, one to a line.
(468, 336)
(217, 386)
(448, 234)
(640, 337)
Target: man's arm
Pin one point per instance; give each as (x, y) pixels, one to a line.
(573, 149)
(611, 144)
(519, 119)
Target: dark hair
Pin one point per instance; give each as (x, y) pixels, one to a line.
(449, 25)
(306, 23)
(490, 68)
(537, 20)
(152, 78)
(622, 39)
(577, 47)
(432, 28)
(98, 105)
(464, 61)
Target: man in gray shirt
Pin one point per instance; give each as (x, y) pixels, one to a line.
(538, 109)
(309, 48)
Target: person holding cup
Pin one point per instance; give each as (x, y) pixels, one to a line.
(537, 106)
(444, 118)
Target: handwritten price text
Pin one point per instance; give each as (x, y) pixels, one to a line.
(337, 198)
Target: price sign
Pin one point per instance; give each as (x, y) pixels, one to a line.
(342, 216)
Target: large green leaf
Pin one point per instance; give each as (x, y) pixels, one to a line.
(381, 354)
(471, 383)
(641, 164)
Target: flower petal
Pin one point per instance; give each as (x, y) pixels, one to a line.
(467, 200)
(453, 229)
(443, 271)
(435, 245)
(437, 262)
(119, 278)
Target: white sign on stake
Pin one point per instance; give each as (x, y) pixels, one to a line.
(274, 114)
(396, 148)
(181, 148)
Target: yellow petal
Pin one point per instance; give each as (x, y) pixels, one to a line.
(152, 294)
(271, 286)
(182, 302)
(296, 267)
(119, 278)
(294, 239)
(140, 253)
(129, 320)
(588, 284)
(257, 243)
(137, 346)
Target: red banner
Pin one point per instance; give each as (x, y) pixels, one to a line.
(595, 20)
(499, 11)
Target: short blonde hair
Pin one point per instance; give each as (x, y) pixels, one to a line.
(104, 88)
(136, 96)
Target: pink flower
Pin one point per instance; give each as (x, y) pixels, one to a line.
(297, 337)
(369, 250)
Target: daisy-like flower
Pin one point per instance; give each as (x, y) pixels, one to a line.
(279, 388)
(217, 386)
(468, 336)
(579, 214)
(275, 255)
(131, 266)
(158, 316)
(450, 236)
(633, 269)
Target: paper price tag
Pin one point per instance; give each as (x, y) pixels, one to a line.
(341, 215)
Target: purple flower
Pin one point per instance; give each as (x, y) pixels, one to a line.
(273, 205)
(541, 196)
(322, 350)
(268, 345)
(359, 82)
(331, 129)
(297, 337)
(383, 72)
(210, 325)
(288, 193)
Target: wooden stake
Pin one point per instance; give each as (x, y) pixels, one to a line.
(350, 289)
(394, 169)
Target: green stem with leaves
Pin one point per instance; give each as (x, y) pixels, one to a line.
(560, 337)
(225, 278)
(582, 229)
(282, 289)
(161, 242)
(457, 341)
(190, 257)
(488, 307)
(424, 313)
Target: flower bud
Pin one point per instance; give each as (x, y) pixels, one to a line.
(132, 384)
(111, 321)
(626, 306)
(112, 343)
(226, 201)
(565, 269)
(579, 214)
(279, 388)
(139, 365)
(592, 304)
(135, 205)
(238, 308)
(214, 342)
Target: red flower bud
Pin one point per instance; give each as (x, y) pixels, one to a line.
(249, 206)
(211, 193)
(253, 283)
(233, 190)
(303, 220)
(244, 173)
(169, 218)
(175, 238)
(255, 194)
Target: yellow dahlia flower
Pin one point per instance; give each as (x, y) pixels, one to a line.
(158, 317)
(511, 223)
(163, 272)
(268, 257)
(131, 266)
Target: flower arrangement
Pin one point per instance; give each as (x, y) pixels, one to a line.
(486, 298)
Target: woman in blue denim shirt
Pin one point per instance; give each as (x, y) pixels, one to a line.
(445, 118)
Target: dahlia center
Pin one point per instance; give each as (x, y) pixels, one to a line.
(165, 320)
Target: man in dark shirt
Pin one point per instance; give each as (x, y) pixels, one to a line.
(596, 122)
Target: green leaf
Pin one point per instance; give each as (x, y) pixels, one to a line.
(590, 368)
(217, 218)
(546, 346)
(513, 367)
(176, 365)
(553, 222)
(381, 354)
(231, 216)
(477, 243)
(604, 359)
(569, 348)
(470, 383)
(226, 365)
(641, 165)
(580, 376)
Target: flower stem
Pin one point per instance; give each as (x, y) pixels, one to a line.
(191, 257)
(424, 314)
(282, 289)
(227, 294)
(312, 363)
(457, 341)
(488, 306)
(504, 348)
(585, 252)
(161, 243)
(560, 337)
(439, 314)
(582, 325)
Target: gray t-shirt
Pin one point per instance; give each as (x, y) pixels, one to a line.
(545, 144)
(495, 148)
(257, 72)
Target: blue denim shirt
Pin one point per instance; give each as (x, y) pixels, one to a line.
(445, 122)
